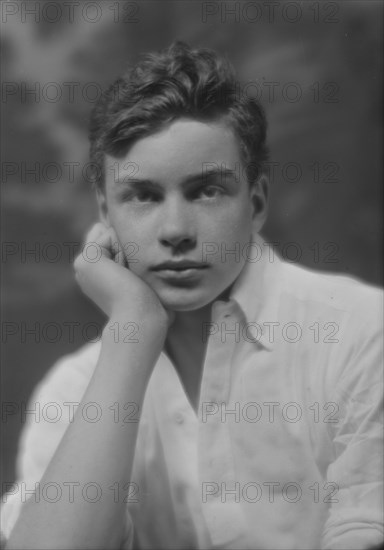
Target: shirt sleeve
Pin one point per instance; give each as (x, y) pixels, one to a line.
(38, 441)
(53, 402)
(355, 519)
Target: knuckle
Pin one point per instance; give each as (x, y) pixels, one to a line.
(78, 263)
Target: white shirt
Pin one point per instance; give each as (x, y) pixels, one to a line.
(286, 449)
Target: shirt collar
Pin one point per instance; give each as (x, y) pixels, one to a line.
(257, 291)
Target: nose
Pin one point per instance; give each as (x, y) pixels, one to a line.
(177, 224)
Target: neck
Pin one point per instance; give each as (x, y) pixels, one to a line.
(189, 323)
(186, 349)
(188, 326)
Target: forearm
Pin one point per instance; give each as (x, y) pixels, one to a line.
(99, 452)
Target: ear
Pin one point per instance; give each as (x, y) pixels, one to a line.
(259, 197)
(103, 208)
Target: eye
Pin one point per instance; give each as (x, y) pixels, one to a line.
(210, 191)
(145, 196)
(141, 196)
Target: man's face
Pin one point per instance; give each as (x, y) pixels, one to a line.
(180, 196)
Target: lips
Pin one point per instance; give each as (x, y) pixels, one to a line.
(179, 266)
(182, 272)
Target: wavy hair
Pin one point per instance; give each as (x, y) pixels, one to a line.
(176, 82)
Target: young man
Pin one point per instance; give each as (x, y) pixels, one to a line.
(233, 401)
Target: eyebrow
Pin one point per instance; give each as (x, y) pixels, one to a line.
(204, 175)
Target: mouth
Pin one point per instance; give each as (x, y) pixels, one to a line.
(179, 266)
(180, 270)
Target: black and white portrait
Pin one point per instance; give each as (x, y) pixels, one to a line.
(192, 305)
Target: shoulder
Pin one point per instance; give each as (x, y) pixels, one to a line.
(345, 313)
(53, 403)
(338, 292)
(352, 312)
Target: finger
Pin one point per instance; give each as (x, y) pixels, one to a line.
(111, 246)
(119, 256)
(108, 243)
(94, 233)
(98, 236)
(106, 238)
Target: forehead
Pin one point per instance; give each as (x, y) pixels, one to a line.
(181, 148)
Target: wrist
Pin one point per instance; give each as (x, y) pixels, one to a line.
(130, 332)
(129, 349)
(151, 316)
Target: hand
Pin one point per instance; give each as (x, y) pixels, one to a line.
(103, 275)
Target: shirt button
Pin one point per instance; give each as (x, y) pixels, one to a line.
(179, 418)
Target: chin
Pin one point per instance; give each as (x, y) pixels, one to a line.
(185, 302)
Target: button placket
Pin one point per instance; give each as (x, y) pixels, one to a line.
(223, 519)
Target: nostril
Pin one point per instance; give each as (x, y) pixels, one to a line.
(181, 244)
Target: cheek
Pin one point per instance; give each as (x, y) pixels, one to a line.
(227, 246)
(132, 238)
(234, 224)
(129, 227)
